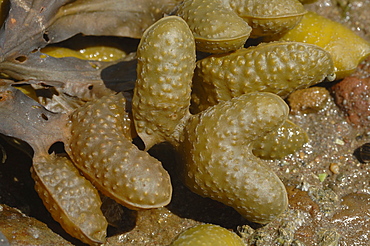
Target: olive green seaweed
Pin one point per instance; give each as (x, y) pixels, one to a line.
(217, 155)
(101, 147)
(207, 234)
(284, 141)
(216, 27)
(277, 67)
(222, 147)
(166, 62)
(70, 198)
(269, 17)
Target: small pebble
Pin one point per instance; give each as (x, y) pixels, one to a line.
(308, 100)
(352, 95)
(334, 168)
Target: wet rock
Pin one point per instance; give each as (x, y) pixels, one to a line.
(299, 199)
(352, 95)
(363, 153)
(353, 219)
(21, 230)
(308, 100)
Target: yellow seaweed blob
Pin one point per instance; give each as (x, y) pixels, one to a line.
(96, 53)
(346, 48)
(60, 52)
(102, 53)
(208, 235)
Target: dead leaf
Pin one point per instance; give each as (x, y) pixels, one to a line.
(80, 78)
(25, 28)
(24, 118)
(32, 24)
(124, 18)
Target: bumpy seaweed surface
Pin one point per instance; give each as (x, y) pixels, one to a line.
(70, 198)
(277, 67)
(166, 60)
(218, 160)
(216, 27)
(216, 144)
(269, 17)
(102, 149)
(208, 235)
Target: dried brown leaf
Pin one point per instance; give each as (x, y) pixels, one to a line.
(125, 18)
(26, 119)
(78, 77)
(25, 28)
(33, 24)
